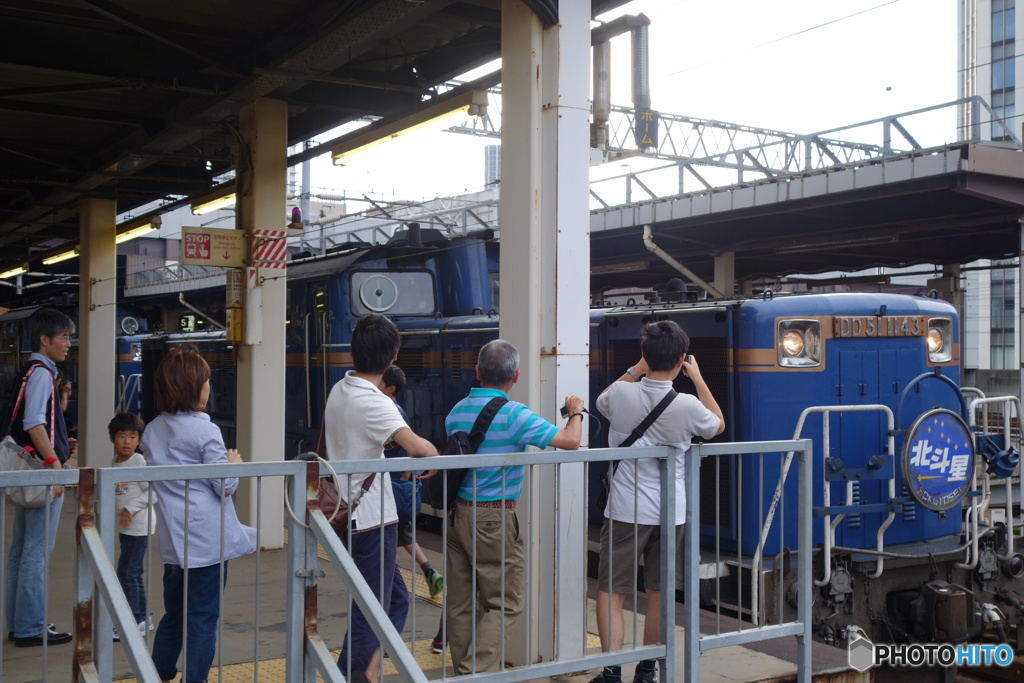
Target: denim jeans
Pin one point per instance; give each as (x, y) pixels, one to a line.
(201, 615)
(369, 553)
(129, 573)
(32, 542)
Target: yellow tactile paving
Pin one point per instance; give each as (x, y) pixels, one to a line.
(273, 669)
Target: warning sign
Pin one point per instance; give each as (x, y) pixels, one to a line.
(213, 247)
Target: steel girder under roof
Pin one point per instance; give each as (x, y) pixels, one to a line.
(134, 100)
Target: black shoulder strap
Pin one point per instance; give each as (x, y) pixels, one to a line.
(484, 419)
(649, 420)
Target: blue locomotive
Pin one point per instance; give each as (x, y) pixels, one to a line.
(895, 471)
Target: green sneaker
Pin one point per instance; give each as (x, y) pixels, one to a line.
(435, 582)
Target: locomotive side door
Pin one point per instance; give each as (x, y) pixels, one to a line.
(316, 360)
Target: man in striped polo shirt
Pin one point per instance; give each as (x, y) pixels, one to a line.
(486, 514)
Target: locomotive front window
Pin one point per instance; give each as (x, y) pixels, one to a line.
(799, 343)
(394, 293)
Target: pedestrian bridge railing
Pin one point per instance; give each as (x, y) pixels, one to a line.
(550, 637)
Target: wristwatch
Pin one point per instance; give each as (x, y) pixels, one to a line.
(629, 371)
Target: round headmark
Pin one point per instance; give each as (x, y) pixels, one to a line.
(938, 459)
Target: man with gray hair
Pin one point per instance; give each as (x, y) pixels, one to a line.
(486, 557)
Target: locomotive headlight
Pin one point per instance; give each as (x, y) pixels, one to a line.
(799, 343)
(793, 343)
(939, 340)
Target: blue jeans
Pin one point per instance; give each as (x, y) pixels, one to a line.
(32, 542)
(202, 614)
(129, 573)
(369, 555)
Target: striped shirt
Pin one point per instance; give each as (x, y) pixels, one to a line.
(514, 428)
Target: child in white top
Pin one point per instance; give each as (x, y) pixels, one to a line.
(135, 508)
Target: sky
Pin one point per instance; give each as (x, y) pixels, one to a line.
(799, 66)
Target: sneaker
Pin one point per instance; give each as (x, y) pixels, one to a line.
(149, 621)
(437, 646)
(116, 637)
(143, 629)
(641, 676)
(435, 582)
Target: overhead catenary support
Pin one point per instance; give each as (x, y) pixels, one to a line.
(261, 392)
(725, 272)
(663, 255)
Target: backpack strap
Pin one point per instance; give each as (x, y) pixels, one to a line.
(31, 367)
(639, 430)
(484, 419)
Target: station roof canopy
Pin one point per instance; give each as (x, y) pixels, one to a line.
(137, 100)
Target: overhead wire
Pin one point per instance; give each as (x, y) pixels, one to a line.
(786, 37)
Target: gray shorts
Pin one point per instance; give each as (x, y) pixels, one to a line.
(404, 534)
(629, 543)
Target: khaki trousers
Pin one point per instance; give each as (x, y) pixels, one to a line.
(496, 588)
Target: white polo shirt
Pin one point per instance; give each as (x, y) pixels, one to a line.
(625, 405)
(358, 421)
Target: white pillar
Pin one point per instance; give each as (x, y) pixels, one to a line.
(545, 273)
(261, 206)
(725, 273)
(97, 324)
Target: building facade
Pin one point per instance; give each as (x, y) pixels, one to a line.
(988, 66)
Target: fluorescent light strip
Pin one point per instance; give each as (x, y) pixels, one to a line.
(134, 232)
(61, 257)
(20, 270)
(213, 205)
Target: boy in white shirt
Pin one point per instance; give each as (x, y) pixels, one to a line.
(136, 515)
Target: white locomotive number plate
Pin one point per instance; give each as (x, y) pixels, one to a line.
(879, 326)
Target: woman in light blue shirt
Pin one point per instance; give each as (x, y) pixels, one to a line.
(192, 515)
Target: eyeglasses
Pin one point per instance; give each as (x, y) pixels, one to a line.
(62, 338)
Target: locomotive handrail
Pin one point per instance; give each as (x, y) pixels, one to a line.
(829, 525)
(937, 374)
(977, 509)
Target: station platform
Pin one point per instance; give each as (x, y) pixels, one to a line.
(254, 620)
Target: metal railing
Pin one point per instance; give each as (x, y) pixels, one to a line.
(100, 604)
(733, 454)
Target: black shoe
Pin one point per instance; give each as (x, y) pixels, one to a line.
(437, 646)
(641, 676)
(52, 638)
(601, 678)
(49, 627)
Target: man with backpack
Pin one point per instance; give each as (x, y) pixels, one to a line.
(486, 557)
(37, 423)
(646, 412)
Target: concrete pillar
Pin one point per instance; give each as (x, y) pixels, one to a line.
(545, 272)
(261, 206)
(725, 273)
(97, 325)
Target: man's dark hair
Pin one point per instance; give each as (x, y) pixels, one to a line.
(498, 362)
(375, 342)
(49, 322)
(394, 376)
(126, 422)
(663, 344)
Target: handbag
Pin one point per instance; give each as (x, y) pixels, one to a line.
(335, 508)
(14, 458)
